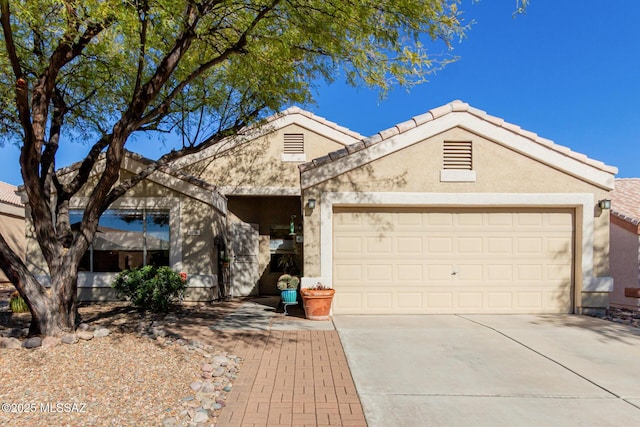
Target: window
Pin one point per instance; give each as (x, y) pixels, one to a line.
(457, 162)
(293, 150)
(126, 238)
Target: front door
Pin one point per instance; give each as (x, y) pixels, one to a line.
(244, 265)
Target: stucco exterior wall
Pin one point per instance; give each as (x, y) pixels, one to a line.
(193, 225)
(258, 163)
(12, 228)
(625, 266)
(499, 170)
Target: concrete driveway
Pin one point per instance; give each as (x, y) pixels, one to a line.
(480, 370)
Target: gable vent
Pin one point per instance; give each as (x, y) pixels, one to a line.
(457, 155)
(293, 143)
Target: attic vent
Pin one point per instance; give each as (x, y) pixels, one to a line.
(457, 155)
(293, 143)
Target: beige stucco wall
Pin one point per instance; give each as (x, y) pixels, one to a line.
(12, 228)
(625, 265)
(258, 163)
(499, 170)
(197, 224)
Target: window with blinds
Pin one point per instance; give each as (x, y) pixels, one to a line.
(457, 155)
(293, 143)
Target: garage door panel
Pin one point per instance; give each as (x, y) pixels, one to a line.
(531, 300)
(499, 245)
(348, 245)
(466, 261)
(379, 272)
(442, 245)
(532, 272)
(499, 300)
(381, 301)
(440, 300)
(410, 273)
(410, 245)
(467, 300)
(439, 272)
(410, 301)
(500, 272)
(469, 245)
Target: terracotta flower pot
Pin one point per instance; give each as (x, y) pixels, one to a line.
(317, 303)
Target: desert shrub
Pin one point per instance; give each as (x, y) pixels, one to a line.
(150, 288)
(17, 304)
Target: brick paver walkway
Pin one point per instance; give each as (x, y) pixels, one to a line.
(291, 378)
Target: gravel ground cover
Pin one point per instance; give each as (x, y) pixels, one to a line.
(135, 376)
(119, 380)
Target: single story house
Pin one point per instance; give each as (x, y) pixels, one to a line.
(11, 221)
(452, 211)
(625, 244)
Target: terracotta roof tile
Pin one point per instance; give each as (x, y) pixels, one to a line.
(310, 115)
(625, 200)
(423, 118)
(459, 106)
(8, 194)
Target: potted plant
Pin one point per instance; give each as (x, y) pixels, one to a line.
(288, 286)
(317, 301)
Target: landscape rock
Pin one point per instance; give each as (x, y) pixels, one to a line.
(196, 385)
(207, 387)
(201, 417)
(157, 331)
(101, 332)
(85, 335)
(69, 339)
(48, 342)
(220, 361)
(207, 367)
(170, 422)
(83, 327)
(218, 372)
(10, 343)
(32, 342)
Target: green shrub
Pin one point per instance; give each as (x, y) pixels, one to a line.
(150, 288)
(17, 304)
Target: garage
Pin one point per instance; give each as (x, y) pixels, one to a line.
(416, 261)
(457, 211)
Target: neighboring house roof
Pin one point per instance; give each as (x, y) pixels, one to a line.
(458, 113)
(292, 115)
(10, 203)
(8, 194)
(625, 202)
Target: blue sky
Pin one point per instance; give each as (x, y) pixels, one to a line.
(566, 70)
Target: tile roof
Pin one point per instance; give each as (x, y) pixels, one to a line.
(8, 194)
(625, 200)
(144, 160)
(321, 120)
(454, 106)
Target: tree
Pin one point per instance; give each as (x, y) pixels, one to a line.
(105, 70)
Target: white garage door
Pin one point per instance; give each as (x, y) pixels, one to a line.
(410, 261)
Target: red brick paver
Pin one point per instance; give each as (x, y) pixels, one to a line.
(291, 378)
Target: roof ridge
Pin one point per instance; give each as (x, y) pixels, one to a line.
(452, 107)
(294, 109)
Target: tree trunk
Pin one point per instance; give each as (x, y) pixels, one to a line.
(53, 313)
